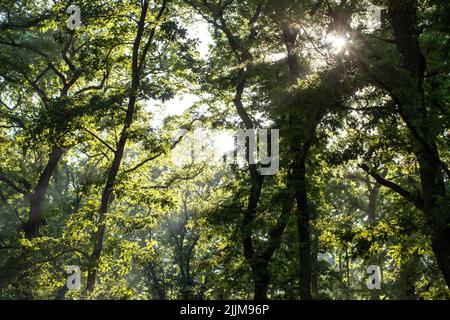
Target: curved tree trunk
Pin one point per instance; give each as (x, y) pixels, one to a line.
(37, 198)
(138, 60)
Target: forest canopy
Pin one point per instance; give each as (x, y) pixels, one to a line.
(225, 149)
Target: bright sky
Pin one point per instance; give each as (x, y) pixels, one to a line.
(223, 141)
(181, 103)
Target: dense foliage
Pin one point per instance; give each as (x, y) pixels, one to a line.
(100, 167)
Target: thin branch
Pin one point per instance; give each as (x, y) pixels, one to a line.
(416, 200)
(144, 162)
(179, 178)
(36, 22)
(152, 34)
(101, 140)
(154, 157)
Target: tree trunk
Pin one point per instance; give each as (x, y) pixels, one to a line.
(290, 39)
(107, 193)
(136, 70)
(408, 276)
(303, 228)
(35, 219)
(437, 211)
(261, 278)
(314, 265)
(403, 14)
(259, 266)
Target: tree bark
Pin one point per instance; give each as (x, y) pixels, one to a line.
(303, 228)
(408, 275)
(35, 218)
(289, 36)
(136, 70)
(403, 14)
(261, 278)
(260, 264)
(437, 212)
(314, 267)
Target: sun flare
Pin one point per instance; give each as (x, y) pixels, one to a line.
(337, 42)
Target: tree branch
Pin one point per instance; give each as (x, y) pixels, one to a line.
(12, 184)
(101, 140)
(416, 200)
